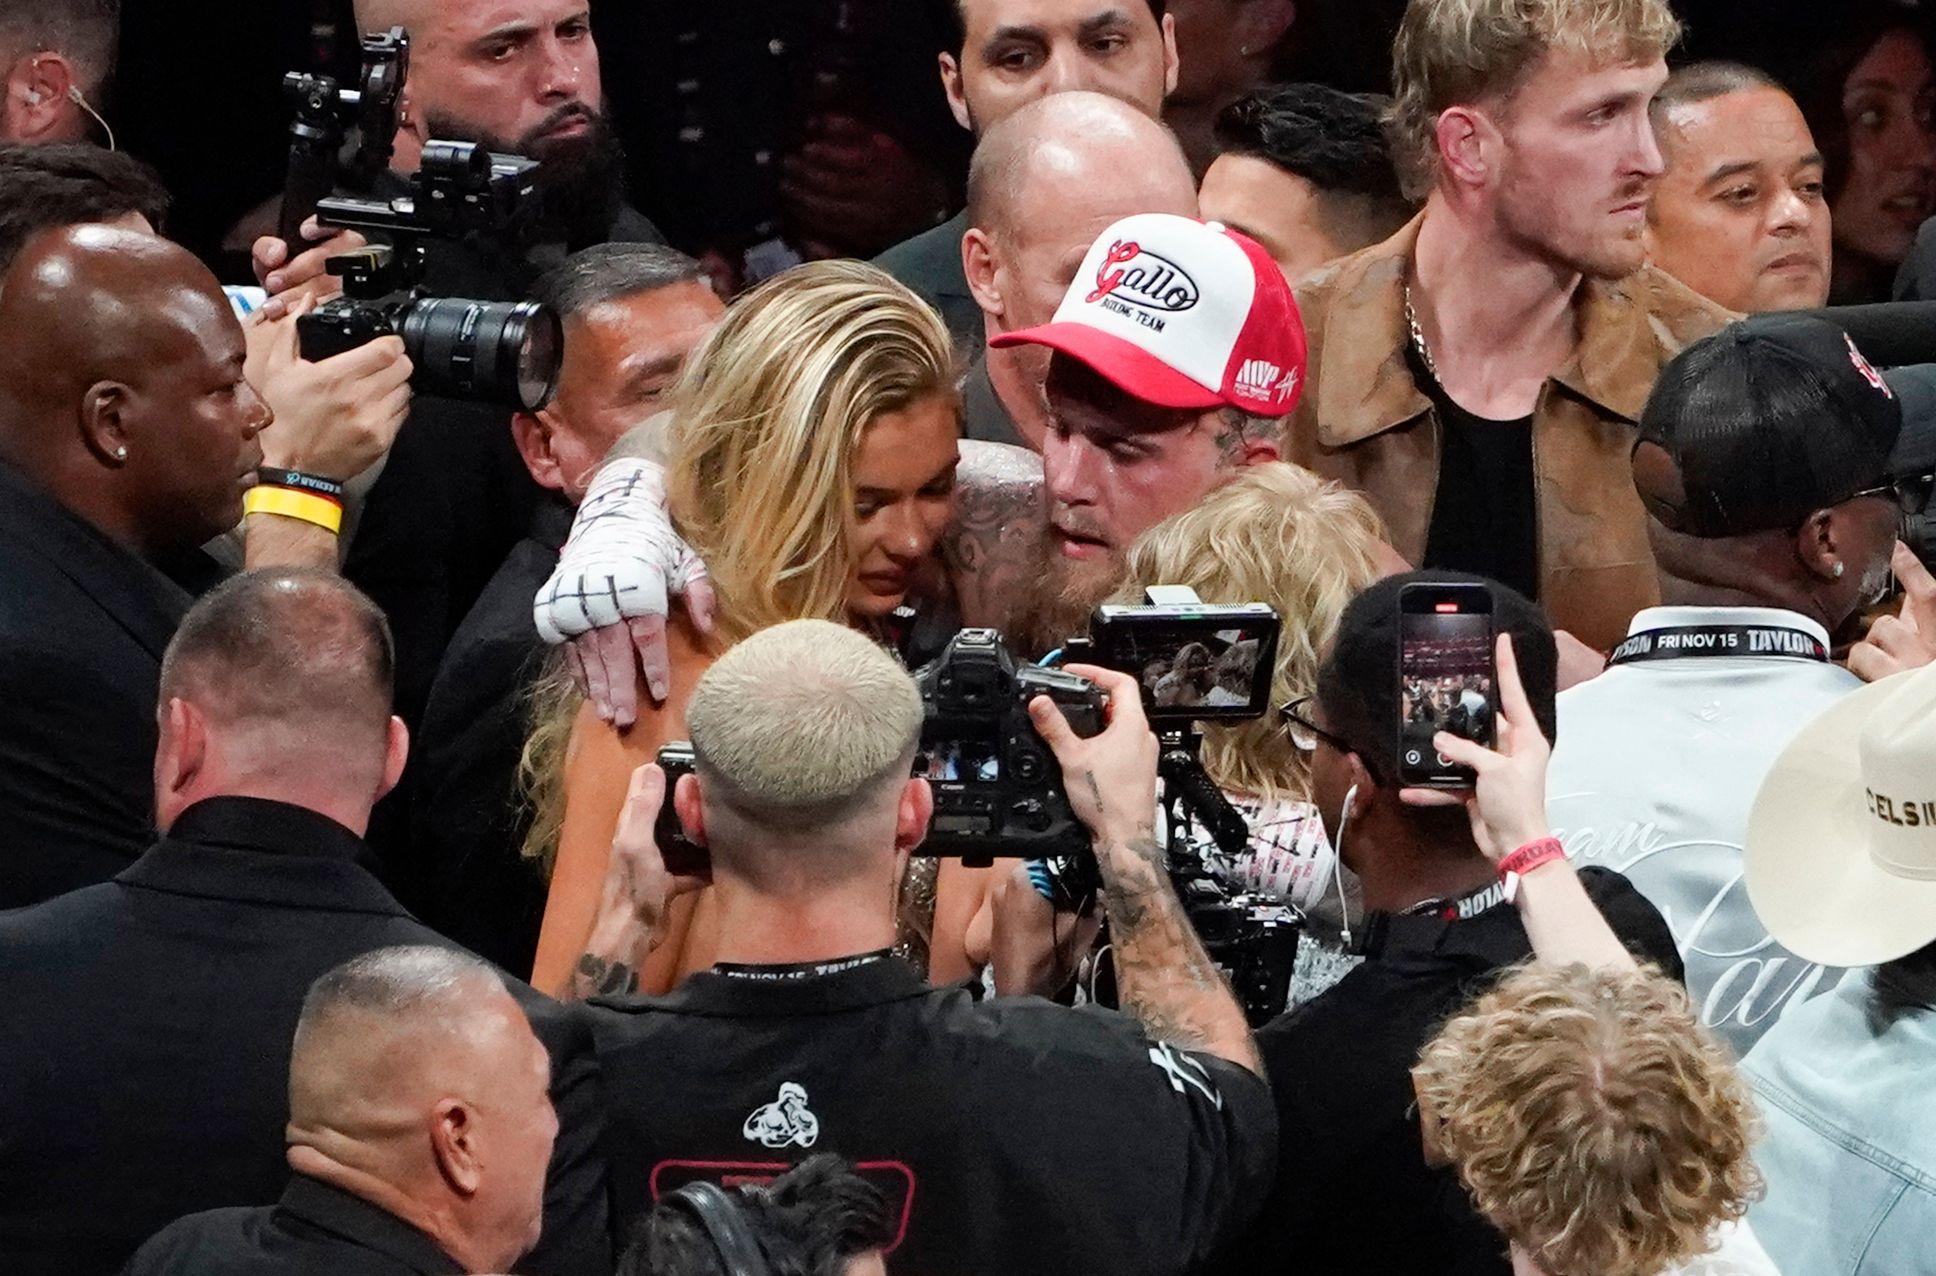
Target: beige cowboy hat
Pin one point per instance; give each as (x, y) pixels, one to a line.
(1841, 854)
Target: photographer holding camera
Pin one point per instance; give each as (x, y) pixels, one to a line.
(1101, 1142)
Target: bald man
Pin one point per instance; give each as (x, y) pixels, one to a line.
(1006, 54)
(1045, 182)
(419, 1130)
(128, 435)
(144, 1051)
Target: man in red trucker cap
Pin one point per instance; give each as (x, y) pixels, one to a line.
(1177, 350)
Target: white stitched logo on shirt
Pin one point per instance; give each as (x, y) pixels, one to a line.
(785, 1121)
(1183, 1070)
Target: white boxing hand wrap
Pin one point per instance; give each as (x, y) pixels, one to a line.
(621, 559)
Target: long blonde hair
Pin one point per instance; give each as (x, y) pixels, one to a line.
(769, 413)
(1275, 534)
(766, 418)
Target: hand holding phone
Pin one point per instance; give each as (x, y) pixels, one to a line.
(1447, 680)
(1507, 805)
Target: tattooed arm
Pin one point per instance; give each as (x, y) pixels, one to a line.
(1165, 978)
(632, 911)
(993, 549)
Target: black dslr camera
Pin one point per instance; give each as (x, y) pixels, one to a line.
(489, 351)
(997, 787)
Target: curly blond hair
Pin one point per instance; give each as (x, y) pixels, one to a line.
(1459, 52)
(1594, 1120)
(1275, 534)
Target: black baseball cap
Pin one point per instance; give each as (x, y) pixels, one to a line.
(1777, 416)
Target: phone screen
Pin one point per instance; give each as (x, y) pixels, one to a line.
(1446, 679)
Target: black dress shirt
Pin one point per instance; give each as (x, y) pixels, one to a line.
(1354, 1194)
(144, 1051)
(467, 822)
(83, 624)
(1012, 1136)
(314, 1230)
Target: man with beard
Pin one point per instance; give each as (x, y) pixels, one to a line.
(1498, 349)
(454, 498)
(1175, 353)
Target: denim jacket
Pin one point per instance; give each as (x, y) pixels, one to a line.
(1850, 1147)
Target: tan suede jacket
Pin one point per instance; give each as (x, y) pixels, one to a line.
(1364, 422)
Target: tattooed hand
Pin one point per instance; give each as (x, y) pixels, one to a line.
(1165, 978)
(994, 548)
(632, 912)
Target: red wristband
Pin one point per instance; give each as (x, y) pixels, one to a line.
(1531, 856)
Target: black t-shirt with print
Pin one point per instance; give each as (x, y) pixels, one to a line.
(1012, 1136)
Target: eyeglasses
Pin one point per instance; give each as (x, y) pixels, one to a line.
(1305, 733)
(1911, 495)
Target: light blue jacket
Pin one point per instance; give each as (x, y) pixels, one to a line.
(1850, 1148)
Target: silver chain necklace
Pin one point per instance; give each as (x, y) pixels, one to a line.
(1418, 338)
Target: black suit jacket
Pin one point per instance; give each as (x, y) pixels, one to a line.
(467, 823)
(144, 1047)
(83, 624)
(314, 1230)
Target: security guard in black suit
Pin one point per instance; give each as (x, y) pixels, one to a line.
(393, 1178)
(144, 1050)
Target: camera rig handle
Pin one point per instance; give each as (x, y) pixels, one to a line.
(1190, 787)
(323, 112)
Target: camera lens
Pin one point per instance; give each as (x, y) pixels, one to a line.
(491, 351)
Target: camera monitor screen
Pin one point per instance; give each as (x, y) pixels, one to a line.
(968, 761)
(1207, 663)
(1446, 680)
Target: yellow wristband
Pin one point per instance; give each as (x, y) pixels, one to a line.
(290, 503)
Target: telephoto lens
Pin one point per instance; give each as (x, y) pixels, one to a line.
(488, 351)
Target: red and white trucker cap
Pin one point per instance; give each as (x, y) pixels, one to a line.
(1182, 314)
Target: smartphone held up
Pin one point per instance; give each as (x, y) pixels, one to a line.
(1447, 679)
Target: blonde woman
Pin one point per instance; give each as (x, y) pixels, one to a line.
(812, 469)
(1276, 534)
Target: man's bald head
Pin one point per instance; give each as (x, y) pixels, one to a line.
(416, 1081)
(1068, 145)
(121, 387)
(415, 16)
(296, 665)
(1045, 182)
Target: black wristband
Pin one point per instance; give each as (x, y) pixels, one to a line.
(300, 481)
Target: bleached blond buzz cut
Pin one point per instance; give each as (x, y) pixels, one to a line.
(803, 722)
(1461, 52)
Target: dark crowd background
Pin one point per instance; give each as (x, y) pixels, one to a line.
(708, 99)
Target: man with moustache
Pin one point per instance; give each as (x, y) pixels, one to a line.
(1740, 214)
(1044, 182)
(1007, 54)
(1477, 376)
(1173, 357)
(455, 497)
